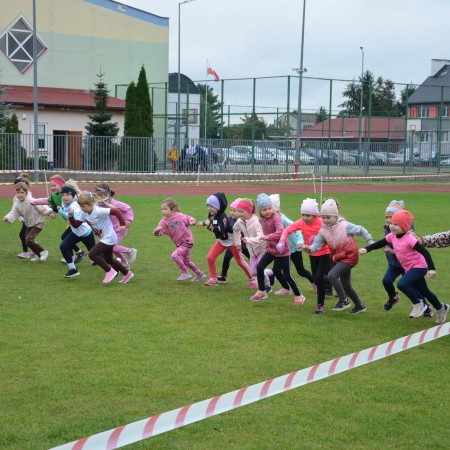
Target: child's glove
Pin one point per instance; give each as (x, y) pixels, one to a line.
(280, 246)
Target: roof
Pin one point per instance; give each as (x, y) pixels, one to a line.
(186, 84)
(348, 128)
(429, 91)
(57, 97)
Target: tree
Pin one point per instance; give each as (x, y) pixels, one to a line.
(381, 93)
(253, 124)
(12, 154)
(213, 122)
(321, 115)
(100, 152)
(137, 144)
(144, 105)
(5, 110)
(404, 95)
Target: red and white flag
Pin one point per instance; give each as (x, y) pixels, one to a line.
(213, 73)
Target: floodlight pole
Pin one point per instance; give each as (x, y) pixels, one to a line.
(35, 100)
(361, 99)
(178, 112)
(300, 71)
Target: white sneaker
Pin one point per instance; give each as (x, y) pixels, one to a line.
(441, 315)
(184, 276)
(43, 256)
(418, 310)
(132, 256)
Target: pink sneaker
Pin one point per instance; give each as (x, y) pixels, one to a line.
(126, 278)
(198, 277)
(284, 292)
(109, 276)
(299, 300)
(212, 282)
(258, 296)
(24, 255)
(184, 276)
(253, 284)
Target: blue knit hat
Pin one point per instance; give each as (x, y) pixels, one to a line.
(213, 201)
(395, 206)
(263, 200)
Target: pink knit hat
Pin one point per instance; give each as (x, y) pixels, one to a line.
(309, 206)
(235, 204)
(329, 208)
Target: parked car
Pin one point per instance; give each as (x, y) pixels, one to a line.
(321, 156)
(238, 155)
(256, 154)
(285, 156)
(445, 162)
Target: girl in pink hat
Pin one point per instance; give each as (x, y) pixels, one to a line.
(417, 262)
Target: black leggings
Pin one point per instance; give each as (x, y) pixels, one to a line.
(71, 239)
(229, 256)
(320, 266)
(280, 267)
(22, 235)
(67, 231)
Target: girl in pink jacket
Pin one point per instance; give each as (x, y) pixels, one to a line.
(272, 227)
(105, 194)
(176, 225)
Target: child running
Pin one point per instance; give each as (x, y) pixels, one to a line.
(248, 231)
(272, 227)
(395, 269)
(296, 242)
(83, 233)
(437, 240)
(222, 278)
(99, 219)
(33, 217)
(24, 177)
(104, 193)
(53, 201)
(310, 224)
(176, 225)
(417, 262)
(220, 225)
(340, 237)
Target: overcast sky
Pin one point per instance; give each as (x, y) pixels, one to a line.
(256, 38)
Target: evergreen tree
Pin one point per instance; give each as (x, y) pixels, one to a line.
(12, 154)
(404, 95)
(132, 124)
(321, 115)
(101, 152)
(144, 105)
(5, 110)
(213, 122)
(382, 93)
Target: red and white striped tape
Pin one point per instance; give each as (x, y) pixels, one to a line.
(161, 423)
(289, 177)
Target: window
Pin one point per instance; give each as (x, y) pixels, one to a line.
(423, 111)
(17, 44)
(445, 111)
(190, 115)
(444, 136)
(42, 137)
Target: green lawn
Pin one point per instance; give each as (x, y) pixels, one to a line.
(78, 358)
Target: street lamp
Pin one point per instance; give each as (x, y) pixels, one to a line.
(361, 103)
(300, 71)
(178, 127)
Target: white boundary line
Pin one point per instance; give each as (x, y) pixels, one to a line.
(168, 421)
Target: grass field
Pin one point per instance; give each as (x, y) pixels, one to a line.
(78, 358)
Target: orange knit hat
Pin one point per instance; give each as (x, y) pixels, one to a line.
(404, 219)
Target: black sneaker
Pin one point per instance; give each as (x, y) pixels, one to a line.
(79, 257)
(428, 314)
(341, 305)
(222, 279)
(359, 308)
(268, 289)
(391, 302)
(72, 273)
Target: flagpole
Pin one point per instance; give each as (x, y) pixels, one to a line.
(206, 97)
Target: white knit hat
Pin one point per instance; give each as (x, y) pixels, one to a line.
(275, 202)
(329, 208)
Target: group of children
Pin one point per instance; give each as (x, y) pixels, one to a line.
(256, 229)
(323, 234)
(86, 216)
